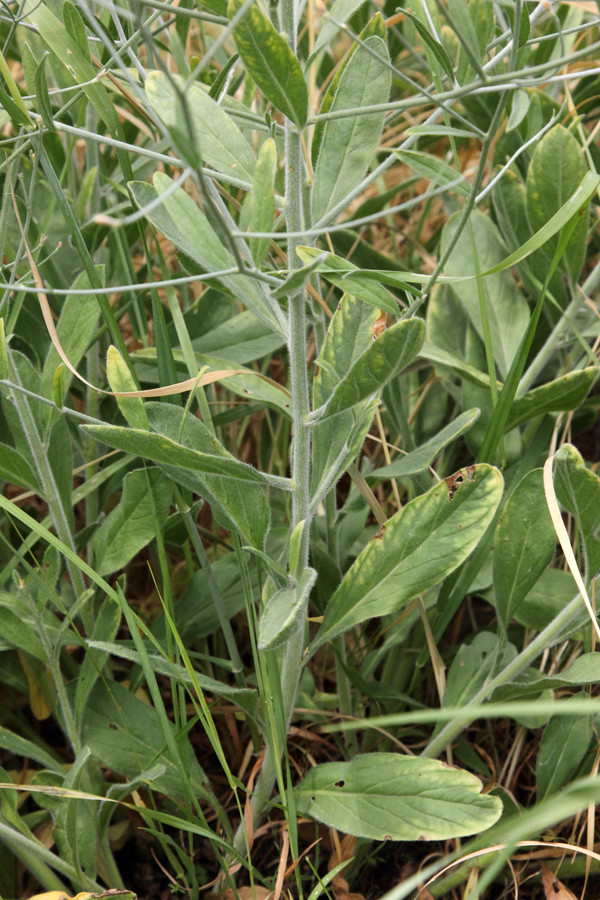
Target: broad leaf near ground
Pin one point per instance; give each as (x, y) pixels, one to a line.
(388, 797)
(348, 144)
(524, 544)
(16, 470)
(133, 523)
(415, 550)
(564, 745)
(578, 491)
(270, 61)
(125, 734)
(218, 139)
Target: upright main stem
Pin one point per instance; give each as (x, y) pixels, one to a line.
(291, 663)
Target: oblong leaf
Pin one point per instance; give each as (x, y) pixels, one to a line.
(385, 796)
(349, 143)
(219, 140)
(132, 524)
(269, 60)
(417, 548)
(162, 449)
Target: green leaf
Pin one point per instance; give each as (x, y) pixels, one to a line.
(566, 393)
(181, 220)
(391, 352)
(284, 611)
(369, 292)
(430, 42)
(578, 491)
(555, 172)
(443, 358)
(106, 624)
(75, 26)
(564, 745)
(349, 143)
(585, 670)
(245, 698)
(416, 549)
(519, 109)
(20, 746)
(507, 309)
(16, 470)
(75, 328)
(440, 131)
(125, 734)
(340, 12)
(132, 524)
(424, 455)
(524, 544)
(120, 380)
(161, 449)
(217, 138)
(434, 169)
(270, 62)
(262, 199)
(242, 503)
(385, 796)
(241, 339)
(336, 441)
(21, 634)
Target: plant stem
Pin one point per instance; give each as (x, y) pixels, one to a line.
(292, 661)
(546, 638)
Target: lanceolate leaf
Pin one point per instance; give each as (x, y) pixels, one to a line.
(181, 220)
(578, 491)
(565, 393)
(388, 354)
(269, 60)
(524, 544)
(434, 170)
(424, 455)
(219, 141)
(340, 12)
(161, 449)
(385, 796)
(415, 550)
(283, 612)
(132, 524)
(340, 272)
(349, 143)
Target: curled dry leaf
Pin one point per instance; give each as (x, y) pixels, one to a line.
(553, 888)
